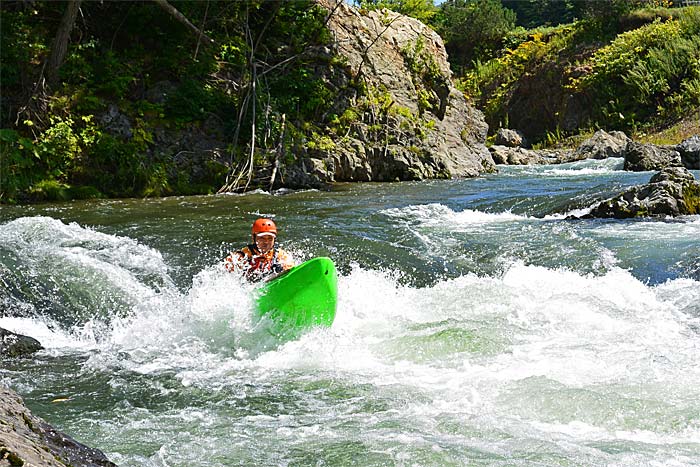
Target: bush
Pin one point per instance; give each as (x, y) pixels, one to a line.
(473, 29)
(650, 72)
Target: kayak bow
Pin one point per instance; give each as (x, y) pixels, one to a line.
(300, 298)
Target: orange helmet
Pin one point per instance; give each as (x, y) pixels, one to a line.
(264, 226)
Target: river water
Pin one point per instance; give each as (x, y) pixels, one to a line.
(475, 326)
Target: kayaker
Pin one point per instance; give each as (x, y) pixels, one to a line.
(260, 259)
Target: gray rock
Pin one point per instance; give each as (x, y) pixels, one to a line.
(510, 138)
(158, 93)
(17, 345)
(522, 156)
(27, 440)
(418, 125)
(116, 123)
(603, 145)
(642, 157)
(690, 152)
(671, 192)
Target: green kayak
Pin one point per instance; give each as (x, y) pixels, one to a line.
(300, 298)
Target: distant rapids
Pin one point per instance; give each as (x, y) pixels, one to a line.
(475, 326)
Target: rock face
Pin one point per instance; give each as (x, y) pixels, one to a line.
(603, 145)
(26, 440)
(690, 152)
(410, 121)
(16, 345)
(671, 192)
(510, 138)
(642, 157)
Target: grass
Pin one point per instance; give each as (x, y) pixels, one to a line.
(673, 134)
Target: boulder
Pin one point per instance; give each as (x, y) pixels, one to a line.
(17, 345)
(409, 121)
(522, 156)
(27, 440)
(690, 152)
(642, 157)
(603, 145)
(116, 123)
(510, 138)
(671, 192)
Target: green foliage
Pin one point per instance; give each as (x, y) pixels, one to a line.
(473, 29)
(426, 75)
(535, 13)
(18, 158)
(190, 101)
(50, 190)
(645, 73)
(491, 83)
(423, 10)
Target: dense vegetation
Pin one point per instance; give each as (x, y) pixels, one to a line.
(631, 65)
(137, 60)
(634, 80)
(248, 73)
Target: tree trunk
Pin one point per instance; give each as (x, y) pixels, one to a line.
(60, 43)
(183, 19)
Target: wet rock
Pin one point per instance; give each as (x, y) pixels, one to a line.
(690, 152)
(603, 145)
(522, 156)
(671, 192)
(642, 157)
(17, 345)
(26, 440)
(510, 138)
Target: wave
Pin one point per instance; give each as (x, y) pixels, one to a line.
(72, 274)
(528, 321)
(586, 167)
(435, 214)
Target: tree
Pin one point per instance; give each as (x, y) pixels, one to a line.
(423, 10)
(534, 13)
(60, 44)
(473, 29)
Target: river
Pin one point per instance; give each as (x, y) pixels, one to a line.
(475, 326)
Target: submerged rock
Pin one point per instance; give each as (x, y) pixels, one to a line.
(26, 440)
(17, 345)
(642, 157)
(671, 192)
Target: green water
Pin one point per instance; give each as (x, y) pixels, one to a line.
(475, 326)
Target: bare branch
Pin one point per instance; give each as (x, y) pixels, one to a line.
(182, 19)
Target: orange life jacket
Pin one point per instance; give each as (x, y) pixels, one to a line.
(256, 265)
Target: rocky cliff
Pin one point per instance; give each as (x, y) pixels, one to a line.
(401, 116)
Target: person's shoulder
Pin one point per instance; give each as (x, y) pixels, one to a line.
(246, 250)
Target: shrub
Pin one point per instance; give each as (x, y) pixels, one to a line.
(647, 73)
